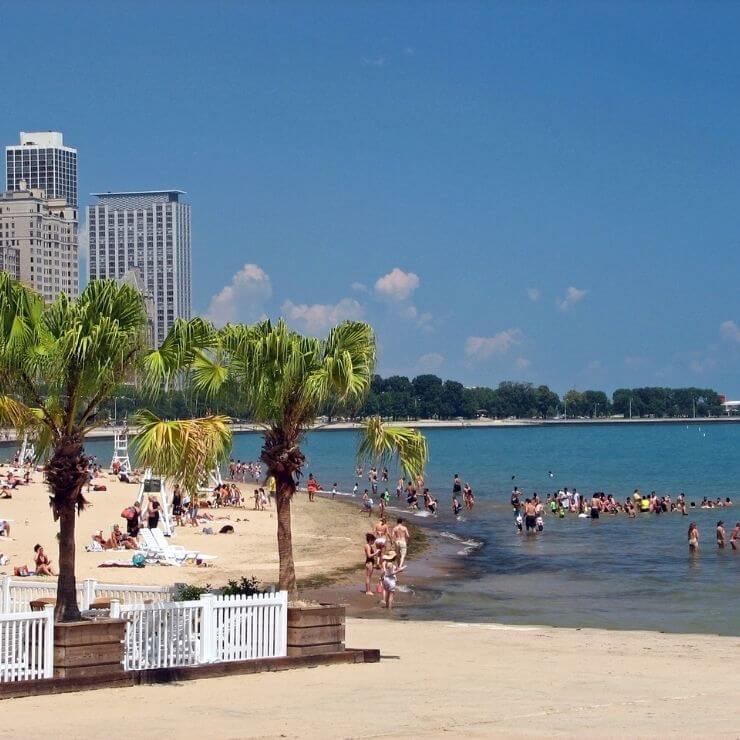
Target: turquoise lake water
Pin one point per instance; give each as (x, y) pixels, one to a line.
(613, 573)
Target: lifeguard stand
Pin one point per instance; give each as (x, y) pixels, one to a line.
(120, 451)
(157, 485)
(212, 480)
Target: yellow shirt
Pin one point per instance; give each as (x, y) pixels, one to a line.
(271, 484)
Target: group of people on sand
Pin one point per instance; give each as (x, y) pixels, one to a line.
(385, 551)
(693, 536)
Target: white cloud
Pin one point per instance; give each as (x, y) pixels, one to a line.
(593, 366)
(522, 363)
(634, 362)
(431, 361)
(701, 366)
(320, 317)
(533, 294)
(479, 348)
(572, 296)
(243, 299)
(409, 311)
(374, 61)
(397, 285)
(359, 287)
(730, 331)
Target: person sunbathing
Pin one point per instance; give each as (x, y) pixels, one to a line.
(43, 564)
(120, 540)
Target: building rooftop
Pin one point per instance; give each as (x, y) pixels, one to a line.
(42, 139)
(138, 192)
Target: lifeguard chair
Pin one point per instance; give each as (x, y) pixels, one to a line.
(120, 451)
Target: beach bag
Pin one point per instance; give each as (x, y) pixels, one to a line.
(129, 512)
(100, 488)
(138, 560)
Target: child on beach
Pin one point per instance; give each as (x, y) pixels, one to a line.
(390, 572)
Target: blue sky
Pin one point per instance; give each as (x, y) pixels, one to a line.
(530, 191)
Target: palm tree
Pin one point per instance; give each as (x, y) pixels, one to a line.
(58, 364)
(286, 379)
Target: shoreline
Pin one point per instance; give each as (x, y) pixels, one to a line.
(343, 426)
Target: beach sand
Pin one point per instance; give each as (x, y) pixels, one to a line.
(435, 679)
(326, 537)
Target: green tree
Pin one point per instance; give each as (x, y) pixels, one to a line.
(59, 364)
(285, 378)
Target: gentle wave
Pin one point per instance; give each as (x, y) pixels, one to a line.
(471, 545)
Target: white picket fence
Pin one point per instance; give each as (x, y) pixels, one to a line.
(27, 645)
(17, 594)
(214, 629)
(159, 633)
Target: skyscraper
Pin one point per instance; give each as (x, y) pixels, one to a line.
(44, 163)
(149, 230)
(38, 241)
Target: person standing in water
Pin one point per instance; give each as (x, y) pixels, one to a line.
(516, 502)
(456, 486)
(693, 538)
(401, 537)
(721, 534)
(735, 537)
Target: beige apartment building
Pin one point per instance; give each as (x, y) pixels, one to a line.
(38, 241)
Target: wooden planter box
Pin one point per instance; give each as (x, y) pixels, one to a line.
(89, 648)
(315, 630)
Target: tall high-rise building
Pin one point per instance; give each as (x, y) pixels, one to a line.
(43, 162)
(38, 241)
(148, 230)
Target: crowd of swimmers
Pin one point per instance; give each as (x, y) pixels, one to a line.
(528, 511)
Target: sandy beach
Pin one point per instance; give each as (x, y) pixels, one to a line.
(326, 537)
(435, 679)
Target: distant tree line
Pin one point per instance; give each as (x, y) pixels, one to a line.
(429, 397)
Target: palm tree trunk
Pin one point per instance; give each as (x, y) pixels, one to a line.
(66, 608)
(284, 459)
(66, 474)
(284, 493)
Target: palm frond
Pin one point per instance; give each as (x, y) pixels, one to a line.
(381, 444)
(184, 450)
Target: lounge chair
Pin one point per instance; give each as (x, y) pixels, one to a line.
(175, 552)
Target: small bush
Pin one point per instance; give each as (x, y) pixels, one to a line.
(244, 587)
(187, 592)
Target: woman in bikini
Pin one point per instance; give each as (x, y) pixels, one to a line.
(693, 538)
(43, 564)
(370, 556)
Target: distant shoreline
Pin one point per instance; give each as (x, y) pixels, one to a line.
(342, 426)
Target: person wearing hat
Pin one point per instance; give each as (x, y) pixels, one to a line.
(390, 571)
